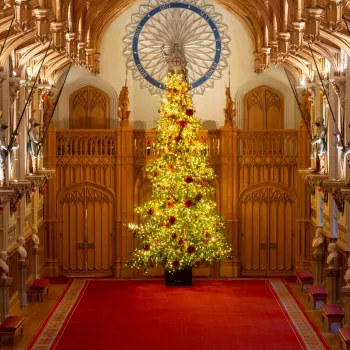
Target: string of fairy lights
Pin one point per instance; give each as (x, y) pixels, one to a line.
(179, 227)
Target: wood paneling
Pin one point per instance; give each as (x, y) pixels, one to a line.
(89, 109)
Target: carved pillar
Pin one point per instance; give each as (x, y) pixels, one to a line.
(51, 266)
(4, 298)
(58, 36)
(283, 45)
(332, 275)
(227, 184)
(22, 266)
(345, 301)
(296, 37)
(23, 15)
(72, 45)
(317, 266)
(334, 11)
(125, 199)
(312, 24)
(42, 25)
(303, 200)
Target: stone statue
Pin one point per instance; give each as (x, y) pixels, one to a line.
(35, 236)
(331, 258)
(123, 105)
(3, 149)
(21, 250)
(33, 144)
(229, 111)
(175, 59)
(3, 265)
(347, 274)
(320, 139)
(318, 240)
(305, 103)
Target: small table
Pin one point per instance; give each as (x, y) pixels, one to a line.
(10, 326)
(39, 286)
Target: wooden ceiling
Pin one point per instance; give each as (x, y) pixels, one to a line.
(280, 30)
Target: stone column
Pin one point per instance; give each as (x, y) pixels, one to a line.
(4, 298)
(332, 275)
(22, 266)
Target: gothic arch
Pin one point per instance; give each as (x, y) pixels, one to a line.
(85, 81)
(265, 79)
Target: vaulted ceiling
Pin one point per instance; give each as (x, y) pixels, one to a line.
(281, 31)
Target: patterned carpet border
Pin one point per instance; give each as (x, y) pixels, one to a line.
(53, 325)
(304, 326)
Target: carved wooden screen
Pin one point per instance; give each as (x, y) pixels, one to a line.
(89, 109)
(267, 230)
(263, 109)
(86, 226)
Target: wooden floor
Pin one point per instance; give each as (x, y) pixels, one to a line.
(37, 311)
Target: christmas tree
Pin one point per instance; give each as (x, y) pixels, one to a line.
(179, 226)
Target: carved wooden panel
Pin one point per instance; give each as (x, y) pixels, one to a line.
(267, 229)
(86, 216)
(89, 109)
(263, 109)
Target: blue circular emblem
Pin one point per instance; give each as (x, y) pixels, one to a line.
(197, 10)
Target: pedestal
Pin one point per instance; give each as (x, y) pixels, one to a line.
(4, 298)
(179, 278)
(345, 298)
(332, 285)
(36, 267)
(317, 268)
(22, 266)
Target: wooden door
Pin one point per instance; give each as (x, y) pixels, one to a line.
(86, 230)
(267, 231)
(263, 109)
(89, 109)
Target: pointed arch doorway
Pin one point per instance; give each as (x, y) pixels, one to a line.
(85, 222)
(268, 220)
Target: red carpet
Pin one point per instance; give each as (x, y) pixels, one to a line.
(215, 315)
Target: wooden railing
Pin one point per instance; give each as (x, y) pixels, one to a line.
(268, 142)
(86, 142)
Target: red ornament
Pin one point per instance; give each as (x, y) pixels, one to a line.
(189, 112)
(182, 123)
(189, 179)
(172, 220)
(188, 203)
(170, 204)
(44, 97)
(176, 263)
(170, 91)
(191, 249)
(33, 189)
(146, 247)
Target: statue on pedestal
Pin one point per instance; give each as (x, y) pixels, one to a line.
(3, 149)
(33, 145)
(3, 265)
(35, 237)
(229, 111)
(22, 253)
(318, 241)
(123, 105)
(331, 258)
(175, 59)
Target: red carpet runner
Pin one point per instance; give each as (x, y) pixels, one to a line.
(145, 315)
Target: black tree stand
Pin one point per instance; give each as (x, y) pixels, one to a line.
(178, 278)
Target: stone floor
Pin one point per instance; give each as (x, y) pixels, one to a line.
(37, 311)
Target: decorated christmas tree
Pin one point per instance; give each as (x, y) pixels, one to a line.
(179, 226)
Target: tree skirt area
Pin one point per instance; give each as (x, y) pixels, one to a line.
(144, 314)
